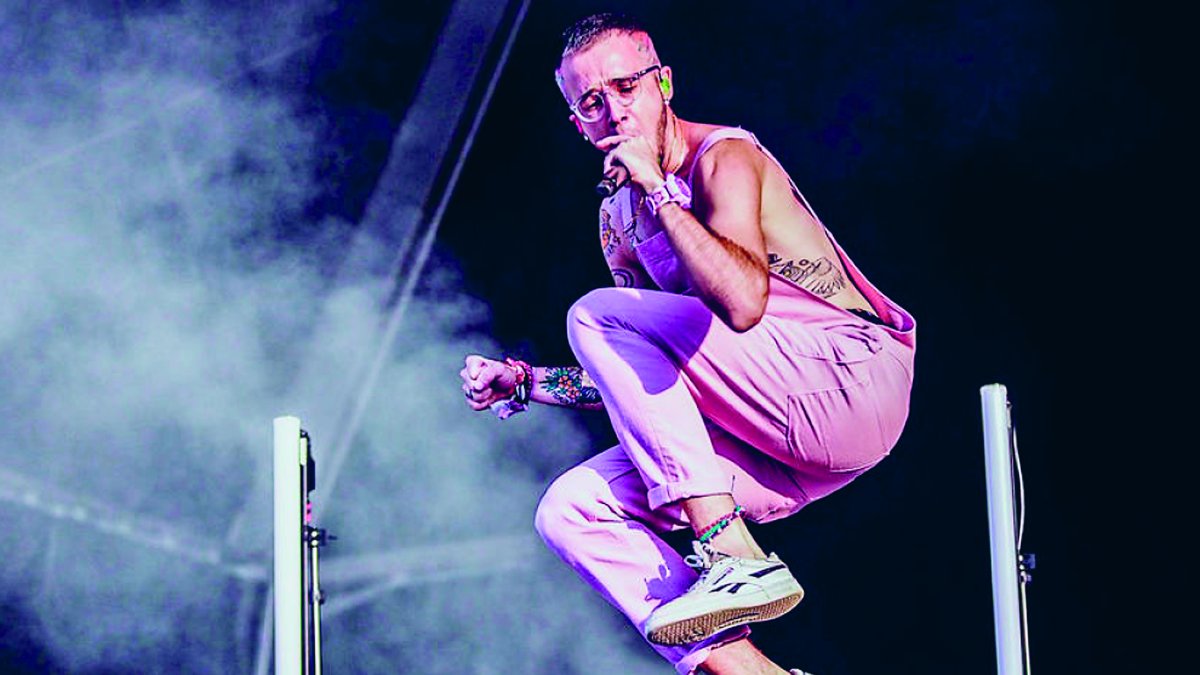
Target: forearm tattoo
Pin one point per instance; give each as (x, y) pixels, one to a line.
(820, 276)
(570, 385)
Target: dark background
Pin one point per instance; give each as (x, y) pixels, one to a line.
(999, 169)
(1002, 170)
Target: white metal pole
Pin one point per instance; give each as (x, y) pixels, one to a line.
(997, 449)
(288, 584)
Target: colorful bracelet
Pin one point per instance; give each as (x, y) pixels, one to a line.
(524, 389)
(720, 524)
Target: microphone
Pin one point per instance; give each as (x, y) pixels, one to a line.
(612, 181)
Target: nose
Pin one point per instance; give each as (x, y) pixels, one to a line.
(614, 111)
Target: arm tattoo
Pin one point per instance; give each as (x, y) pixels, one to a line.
(819, 276)
(622, 277)
(570, 385)
(609, 239)
(631, 230)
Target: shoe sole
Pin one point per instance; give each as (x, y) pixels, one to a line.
(700, 627)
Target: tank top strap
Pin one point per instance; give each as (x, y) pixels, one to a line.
(726, 133)
(712, 139)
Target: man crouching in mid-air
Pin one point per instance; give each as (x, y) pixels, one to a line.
(747, 365)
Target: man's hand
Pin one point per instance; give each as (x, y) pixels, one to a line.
(486, 381)
(636, 155)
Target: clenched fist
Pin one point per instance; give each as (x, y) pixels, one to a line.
(486, 381)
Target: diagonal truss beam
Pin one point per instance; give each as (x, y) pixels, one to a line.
(151, 532)
(364, 578)
(407, 265)
(396, 211)
(399, 209)
(154, 115)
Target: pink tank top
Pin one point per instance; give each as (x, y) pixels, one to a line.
(668, 272)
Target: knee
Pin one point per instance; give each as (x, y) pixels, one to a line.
(568, 506)
(594, 311)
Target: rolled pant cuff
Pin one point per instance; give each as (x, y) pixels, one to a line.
(663, 494)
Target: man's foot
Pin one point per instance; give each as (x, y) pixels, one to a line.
(731, 591)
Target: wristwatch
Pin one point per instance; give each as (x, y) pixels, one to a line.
(672, 190)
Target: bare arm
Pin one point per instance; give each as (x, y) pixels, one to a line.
(486, 381)
(567, 386)
(720, 241)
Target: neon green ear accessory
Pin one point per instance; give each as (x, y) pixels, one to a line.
(665, 85)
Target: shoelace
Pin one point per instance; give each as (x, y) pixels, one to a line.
(703, 560)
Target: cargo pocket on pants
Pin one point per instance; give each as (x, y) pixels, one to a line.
(836, 429)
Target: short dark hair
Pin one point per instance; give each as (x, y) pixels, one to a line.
(586, 31)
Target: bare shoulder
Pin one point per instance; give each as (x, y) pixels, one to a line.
(728, 182)
(728, 158)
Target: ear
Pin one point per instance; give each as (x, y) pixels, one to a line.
(579, 126)
(665, 83)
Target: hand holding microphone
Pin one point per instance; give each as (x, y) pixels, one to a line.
(625, 157)
(613, 180)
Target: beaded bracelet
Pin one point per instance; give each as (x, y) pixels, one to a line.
(524, 389)
(721, 523)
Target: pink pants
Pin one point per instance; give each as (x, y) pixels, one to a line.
(780, 415)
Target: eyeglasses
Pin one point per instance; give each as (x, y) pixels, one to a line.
(590, 106)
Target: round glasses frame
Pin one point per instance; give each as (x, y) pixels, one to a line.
(590, 106)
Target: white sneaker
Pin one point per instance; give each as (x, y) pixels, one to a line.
(731, 591)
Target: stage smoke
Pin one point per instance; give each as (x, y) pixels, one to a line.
(162, 278)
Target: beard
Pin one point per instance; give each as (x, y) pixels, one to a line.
(660, 135)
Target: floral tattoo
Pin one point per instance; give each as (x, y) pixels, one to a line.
(570, 385)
